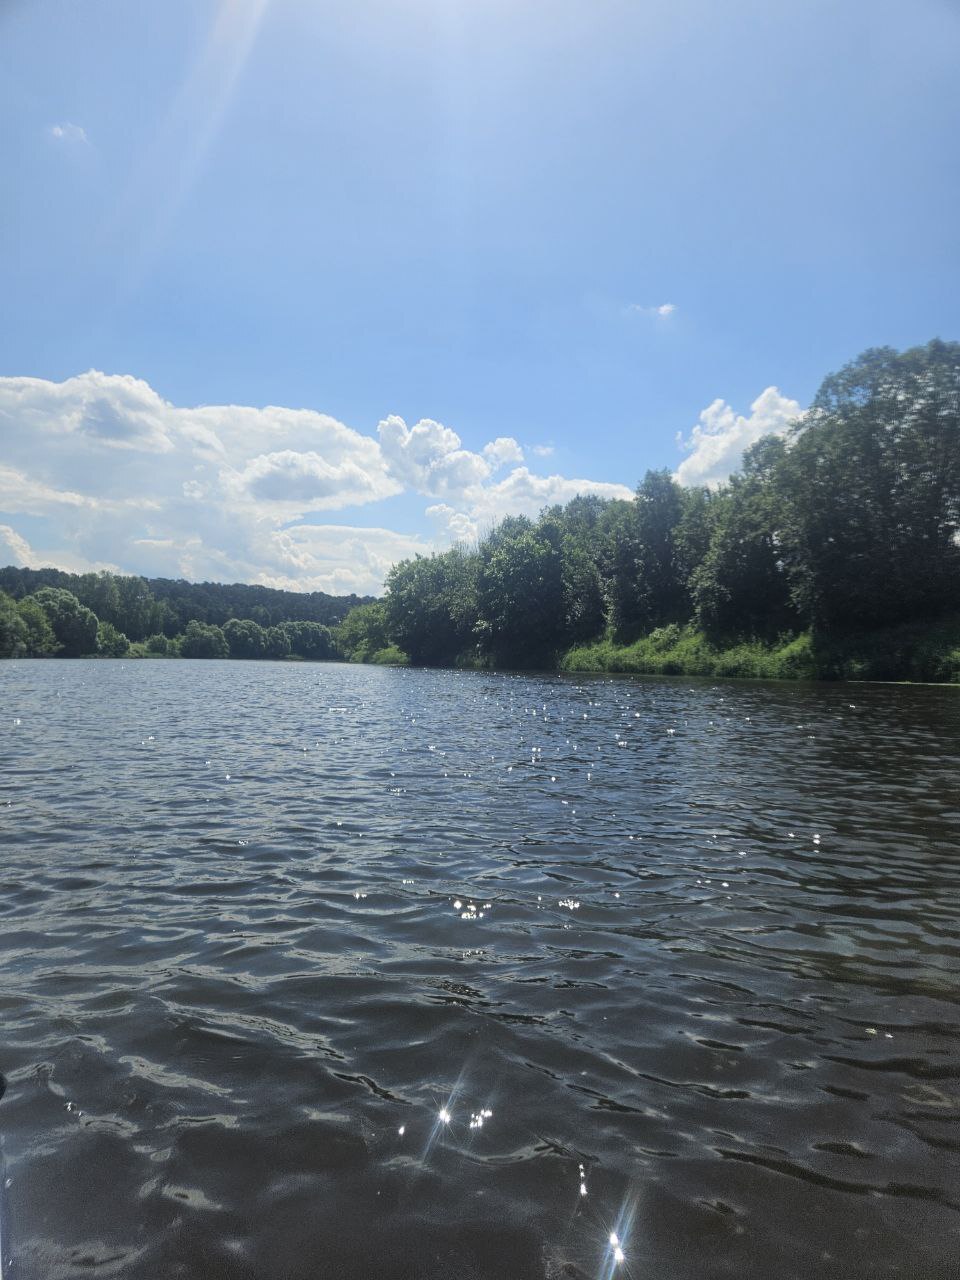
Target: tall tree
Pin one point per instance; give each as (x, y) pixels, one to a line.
(520, 594)
(246, 639)
(741, 586)
(310, 640)
(874, 481)
(13, 629)
(431, 606)
(202, 640)
(41, 641)
(363, 632)
(648, 586)
(74, 625)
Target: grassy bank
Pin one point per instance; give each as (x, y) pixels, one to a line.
(912, 651)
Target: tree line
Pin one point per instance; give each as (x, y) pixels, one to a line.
(848, 523)
(47, 612)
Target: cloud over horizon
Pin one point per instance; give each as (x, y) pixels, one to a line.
(100, 471)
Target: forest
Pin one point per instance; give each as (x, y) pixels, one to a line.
(47, 612)
(834, 552)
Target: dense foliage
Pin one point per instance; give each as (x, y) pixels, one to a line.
(141, 607)
(850, 523)
(46, 612)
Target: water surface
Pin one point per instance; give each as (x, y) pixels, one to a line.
(316, 971)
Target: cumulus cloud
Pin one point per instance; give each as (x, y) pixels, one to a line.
(108, 436)
(112, 468)
(107, 470)
(541, 450)
(67, 132)
(331, 557)
(453, 525)
(302, 481)
(716, 444)
(521, 493)
(428, 457)
(501, 451)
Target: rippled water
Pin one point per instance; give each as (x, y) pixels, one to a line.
(326, 971)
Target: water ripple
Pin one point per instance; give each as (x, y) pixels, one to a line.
(323, 970)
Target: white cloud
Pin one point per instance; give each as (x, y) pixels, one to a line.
(541, 450)
(521, 493)
(716, 444)
(67, 132)
(428, 457)
(453, 525)
(15, 549)
(118, 472)
(662, 311)
(113, 475)
(295, 482)
(501, 451)
(335, 557)
(22, 495)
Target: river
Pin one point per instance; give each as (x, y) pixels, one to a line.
(321, 971)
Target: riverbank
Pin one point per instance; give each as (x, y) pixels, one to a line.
(924, 652)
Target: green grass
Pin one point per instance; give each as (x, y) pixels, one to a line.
(676, 651)
(912, 651)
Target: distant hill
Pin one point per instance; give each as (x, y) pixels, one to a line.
(143, 606)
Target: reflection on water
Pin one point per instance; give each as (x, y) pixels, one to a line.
(323, 971)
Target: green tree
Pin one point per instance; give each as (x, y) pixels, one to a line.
(873, 476)
(648, 586)
(40, 641)
(310, 640)
(580, 532)
(247, 639)
(13, 629)
(136, 614)
(431, 606)
(111, 643)
(276, 643)
(363, 632)
(699, 511)
(101, 594)
(741, 588)
(520, 594)
(73, 624)
(201, 640)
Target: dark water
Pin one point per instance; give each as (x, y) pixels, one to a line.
(691, 948)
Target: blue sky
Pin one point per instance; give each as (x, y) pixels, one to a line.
(574, 226)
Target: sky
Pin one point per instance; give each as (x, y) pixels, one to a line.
(291, 291)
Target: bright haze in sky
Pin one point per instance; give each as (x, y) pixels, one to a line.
(292, 290)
